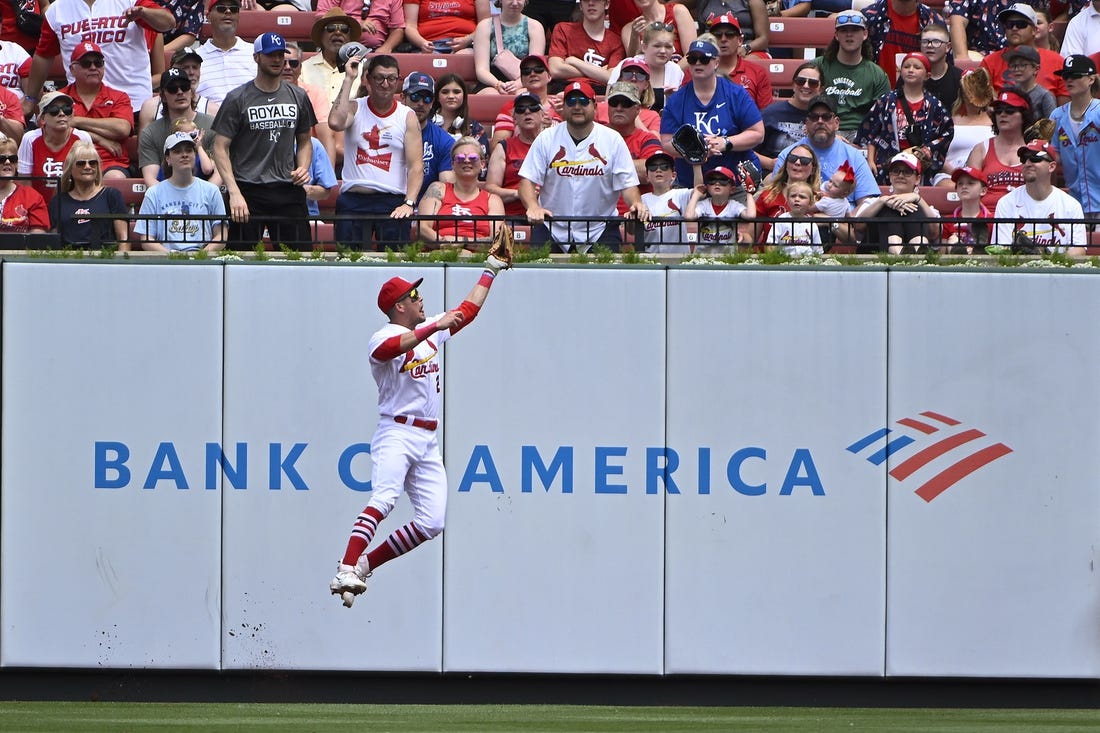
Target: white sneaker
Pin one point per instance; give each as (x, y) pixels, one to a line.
(347, 584)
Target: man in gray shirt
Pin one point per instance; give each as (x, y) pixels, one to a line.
(258, 126)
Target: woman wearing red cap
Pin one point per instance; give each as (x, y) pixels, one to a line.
(997, 157)
(908, 120)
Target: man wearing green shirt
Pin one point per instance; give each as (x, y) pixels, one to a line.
(850, 75)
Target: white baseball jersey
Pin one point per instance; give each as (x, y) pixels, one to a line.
(1017, 204)
(224, 71)
(581, 179)
(662, 236)
(13, 57)
(715, 236)
(796, 238)
(378, 142)
(125, 45)
(410, 384)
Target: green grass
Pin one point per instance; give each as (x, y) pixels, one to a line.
(16, 717)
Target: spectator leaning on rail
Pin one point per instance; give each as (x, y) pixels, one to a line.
(894, 28)
(1044, 214)
(418, 91)
(1077, 134)
(849, 71)
(263, 152)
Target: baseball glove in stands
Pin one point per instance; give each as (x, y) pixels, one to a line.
(502, 249)
(690, 144)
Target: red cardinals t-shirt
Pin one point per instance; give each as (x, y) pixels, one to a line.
(24, 210)
(571, 39)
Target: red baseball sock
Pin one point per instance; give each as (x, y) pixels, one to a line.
(361, 534)
(401, 541)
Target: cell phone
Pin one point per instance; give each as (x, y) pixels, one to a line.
(443, 45)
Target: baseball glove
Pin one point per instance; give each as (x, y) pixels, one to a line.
(689, 143)
(502, 249)
(1042, 129)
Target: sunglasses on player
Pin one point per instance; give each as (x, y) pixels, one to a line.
(413, 295)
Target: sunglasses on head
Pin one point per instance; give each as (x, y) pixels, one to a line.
(424, 97)
(805, 81)
(799, 159)
(658, 26)
(634, 76)
(86, 63)
(577, 100)
(413, 295)
(10, 159)
(528, 70)
(337, 28)
(698, 58)
(1016, 25)
(466, 157)
(658, 166)
(850, 19)
(620, 102)
(227, 9)
(64, 109)
(526, 109)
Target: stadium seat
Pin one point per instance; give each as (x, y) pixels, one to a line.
(132, 190)
(293, 26)
(485, 107)
(436, 65)
(810, 34)
(780, 71)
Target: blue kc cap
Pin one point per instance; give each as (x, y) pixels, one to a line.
(269, 43)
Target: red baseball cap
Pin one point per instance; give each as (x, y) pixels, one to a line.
(919, 57)
(974, 173)
(83, 49)
(724, 19)
(581, 87)
(719, 171)
(394, 290)
(535, 57)
(1012, 99)
(1038, 146)
(634, 64)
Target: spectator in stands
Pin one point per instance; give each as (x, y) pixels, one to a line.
(321, 71)
(944, 79)
(12, 121)
(10, 30)
(451, 110)
(972, 121)
(997, 157)
(894, 28)
(1076, 139)
(534, 70)
(189, 61)
(712, 205)
(81, 191)
(663, 76)
(510, 31)
(785, 119)
(463, 200)
(752, 20)
(444, 26)
(1043, 36)
(21, 207)
(1023, 69)
(189, 18)
(672, 16)
(15, 64)
(849, 71)
(719, 109)
(797, 238)
(292, 74)
(975, 27)
(177, 200)
(322, 179)
(580, 168)
(803, 8)
(635, 73)
(624, 103)
(961, 237)
(383, 21)
(123, 27)
(822, 126)
(506, 158)
(586, 50)
(383, 162)
(228, 60)
(1019, 23)
(177, 95)
(419, 96)
(908, 119)
(801, 164)
(1043, 211)
(1082, 37)
(733, 64)
(904, 200)
(666, 202)
(263, 152)
(102, 112)
(42, 151)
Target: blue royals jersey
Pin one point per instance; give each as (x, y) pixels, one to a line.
(730, 111)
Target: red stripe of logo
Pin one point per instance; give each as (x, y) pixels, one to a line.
(918, 425)
(922, 458)
(947, 478)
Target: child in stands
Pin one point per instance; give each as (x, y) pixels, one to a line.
(797, 238)
(713, 205)
(962, 237)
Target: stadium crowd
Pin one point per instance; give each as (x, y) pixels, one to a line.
(868, 124)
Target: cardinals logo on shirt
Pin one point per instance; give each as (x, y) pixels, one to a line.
(566, 168)
(366, 156)
(421, 368)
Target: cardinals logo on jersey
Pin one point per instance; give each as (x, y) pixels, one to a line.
(365, 156)
(566, 168)
(421, 368)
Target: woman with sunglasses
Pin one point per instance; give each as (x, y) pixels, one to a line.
(464, 200)
(21, 207)
(40, 149)
(785, 119)
(451, 110)
(801, 164)
(907, 120)
(534, 70)
(518, 34)
(997, 157)
(653, 70)
(81, 191)
(673, 17)
(502, 176)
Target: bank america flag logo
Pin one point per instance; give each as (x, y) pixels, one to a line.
(947, 448)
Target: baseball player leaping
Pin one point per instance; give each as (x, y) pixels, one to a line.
(404, 358)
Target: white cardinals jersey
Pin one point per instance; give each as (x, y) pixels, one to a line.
(412, 383)
(715, 237)
(125, 45)
(13, 60)
(667, 236)
(1035, 215)
(374, 149)
(579, 178)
